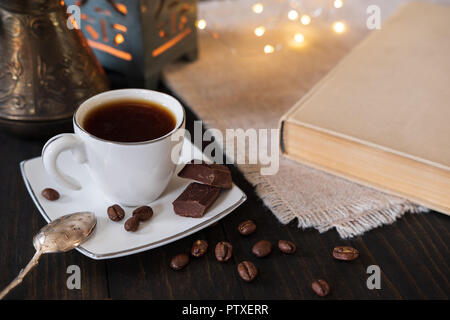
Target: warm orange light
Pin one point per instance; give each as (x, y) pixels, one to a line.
(299, 38)
(74, 22)
(94, 34)
(338, 4)
(292, 15)
(268, 48)
(258, 8)
(112, 51)
(105, 12)
(259, 31)
(85, 17)
(120, 27)
(201, 24)
(122, 8)
(169, 44)
(183, 21)
(339, 27)
(118, 39)
(305, 19)
(104, 30)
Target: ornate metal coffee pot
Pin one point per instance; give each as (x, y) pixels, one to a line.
(46, 68)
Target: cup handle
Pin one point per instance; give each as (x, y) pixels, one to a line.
(51, 151)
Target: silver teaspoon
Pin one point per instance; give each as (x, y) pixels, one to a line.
(60, 235)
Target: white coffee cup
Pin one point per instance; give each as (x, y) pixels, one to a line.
(130, 174)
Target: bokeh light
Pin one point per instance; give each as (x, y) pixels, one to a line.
(258, 8)
(305, 19)
(259, 31)
(299, 38)
(338, 4)
(268, 48)
(339, 27)
(201, 24)
(292, 15)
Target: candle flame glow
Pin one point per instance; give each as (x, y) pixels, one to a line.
(118, 39)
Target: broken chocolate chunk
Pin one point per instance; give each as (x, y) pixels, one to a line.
(195, 200)
(216, 175)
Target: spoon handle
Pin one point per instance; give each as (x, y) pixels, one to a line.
(33, 262)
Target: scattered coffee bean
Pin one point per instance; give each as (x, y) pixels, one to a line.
(179, 261)
(199, 248)
(50, 194)
(247, 227)
(262, 248)
(345, 253)
(321, 287)
(143, 213)
(287, 247)
(132, 224)
(223, 251)
(115, 212)
(247, 271)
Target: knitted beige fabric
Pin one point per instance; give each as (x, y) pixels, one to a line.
(234, 84)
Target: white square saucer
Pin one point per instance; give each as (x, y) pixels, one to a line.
(109, 239)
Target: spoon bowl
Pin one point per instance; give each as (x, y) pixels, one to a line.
(65, 233)
(60, 235)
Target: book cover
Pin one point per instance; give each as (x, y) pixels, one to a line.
(382, 116)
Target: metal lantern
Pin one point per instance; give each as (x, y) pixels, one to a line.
(137, 38)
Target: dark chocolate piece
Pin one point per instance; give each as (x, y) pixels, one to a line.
(216, 175)
(195, 200)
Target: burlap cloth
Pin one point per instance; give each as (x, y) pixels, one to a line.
(234, 84)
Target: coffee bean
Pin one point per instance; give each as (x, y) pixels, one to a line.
(262, 248)
(247, 227)
(287, 247)
(247, 271)
(50, 194)
(143, 213)
(345, 253)
(199, 248)
(179, 261)
(321, 287)
(115, 212)
(223, 251)
(132, 224)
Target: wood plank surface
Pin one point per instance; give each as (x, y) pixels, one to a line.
(412, 253)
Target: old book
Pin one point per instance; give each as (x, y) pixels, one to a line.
(382, 116)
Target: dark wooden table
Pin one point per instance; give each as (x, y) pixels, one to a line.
(412, 253)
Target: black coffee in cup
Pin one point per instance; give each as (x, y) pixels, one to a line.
(129, 121)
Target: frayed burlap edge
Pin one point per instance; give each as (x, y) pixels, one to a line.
(349, 220)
